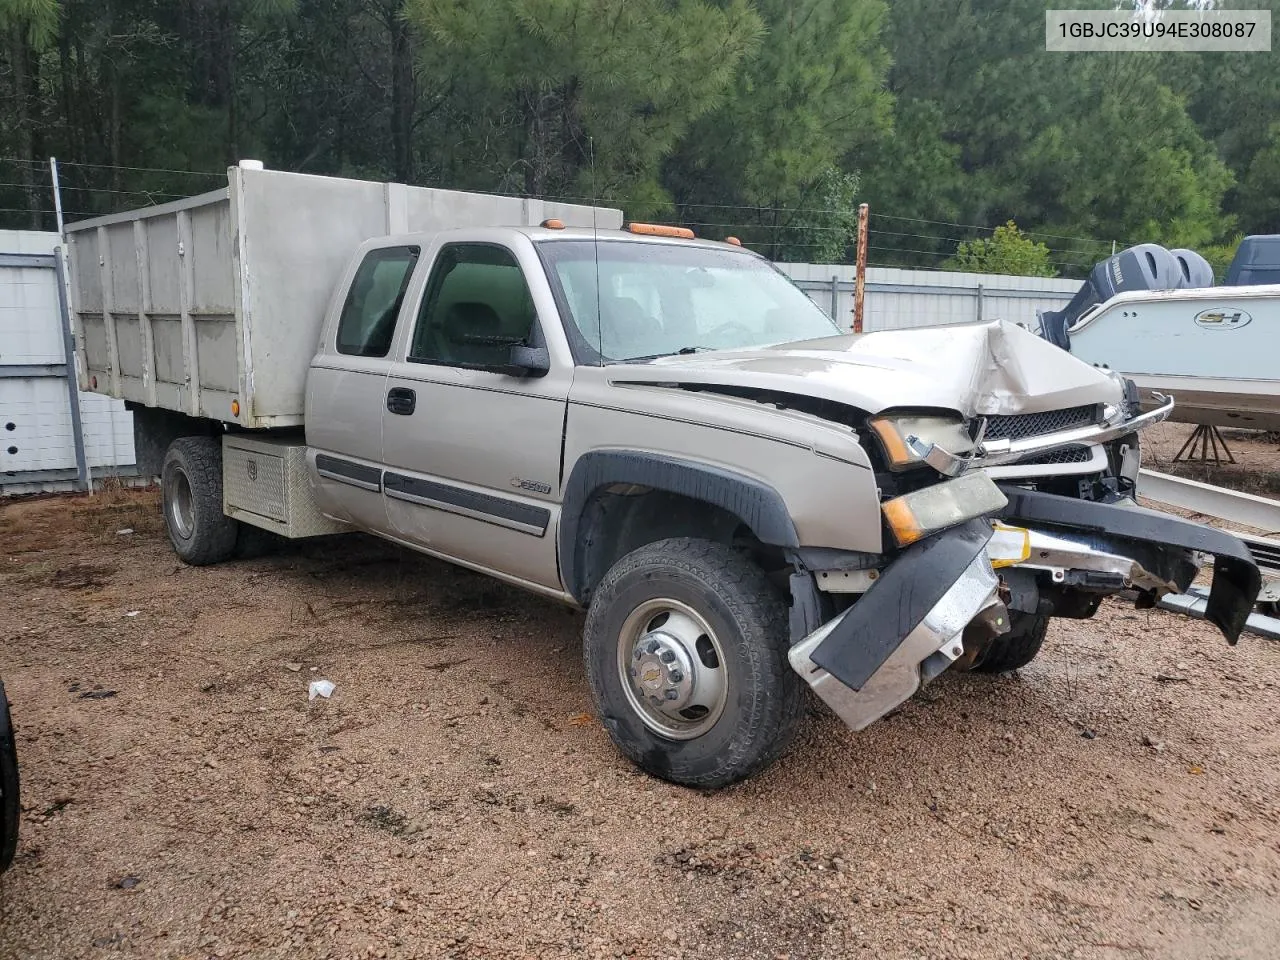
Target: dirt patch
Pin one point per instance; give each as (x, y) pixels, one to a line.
(82, 576)
(454, 798)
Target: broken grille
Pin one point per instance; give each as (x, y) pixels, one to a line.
(1069, 455)
(1023, 425)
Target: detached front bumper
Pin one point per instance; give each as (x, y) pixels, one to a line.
(1157, 540)
(869, 659)
(941, 594)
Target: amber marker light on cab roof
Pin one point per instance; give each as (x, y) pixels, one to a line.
(733, 240)
(553, 224)
(658, 230)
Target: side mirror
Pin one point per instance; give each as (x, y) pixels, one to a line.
(528, 361)
(522, 360)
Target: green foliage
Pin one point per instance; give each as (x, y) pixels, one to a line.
(38, 19)
(1259, 196)
(778, 157)
(1152, 177)
(1089, 145)
(767, 119)
(1220, 255)
(827, 232)
(572, 85)
(1008, 250)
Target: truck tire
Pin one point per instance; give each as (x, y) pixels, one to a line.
(1016, 648)
(685, 648)
(10, 808)
(191, 483)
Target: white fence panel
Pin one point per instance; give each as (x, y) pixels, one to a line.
(38, 422)
(897, 299)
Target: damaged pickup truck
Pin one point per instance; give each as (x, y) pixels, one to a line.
(661, 430)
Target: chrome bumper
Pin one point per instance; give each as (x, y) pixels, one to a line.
(941, 595)
(1058, 554)
(995, 453)
(938, 634)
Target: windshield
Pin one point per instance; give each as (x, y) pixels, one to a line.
(661, 298)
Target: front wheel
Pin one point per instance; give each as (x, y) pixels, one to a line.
(1016, 648)
(685, 648)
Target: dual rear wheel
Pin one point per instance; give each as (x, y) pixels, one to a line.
(191, 486)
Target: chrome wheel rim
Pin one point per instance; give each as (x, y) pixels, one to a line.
(672, 668)
(178, 503)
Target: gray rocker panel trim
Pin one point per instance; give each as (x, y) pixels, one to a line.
(479, 506)
(346, 471)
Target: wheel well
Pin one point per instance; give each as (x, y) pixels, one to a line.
(154, 429)
(620, 518)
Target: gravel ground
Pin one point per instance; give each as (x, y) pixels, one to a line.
(182, 798)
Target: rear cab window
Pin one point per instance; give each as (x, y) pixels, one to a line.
(368, 320)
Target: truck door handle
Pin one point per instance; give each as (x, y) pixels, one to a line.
(401, 400)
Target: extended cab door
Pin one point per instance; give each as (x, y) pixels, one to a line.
(472, 453)
(346, 389)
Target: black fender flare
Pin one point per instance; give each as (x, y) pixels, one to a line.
(759, 505)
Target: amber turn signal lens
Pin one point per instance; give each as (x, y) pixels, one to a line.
(660, 230)
(235, 408)
(897, 513)
(895, 447)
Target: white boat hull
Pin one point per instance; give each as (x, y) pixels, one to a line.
(1216, 350)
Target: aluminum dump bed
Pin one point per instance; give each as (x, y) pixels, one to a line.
(218, 299)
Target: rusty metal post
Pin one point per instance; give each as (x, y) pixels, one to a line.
(860, 274)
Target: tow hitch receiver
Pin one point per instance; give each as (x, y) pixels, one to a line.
(878, 661)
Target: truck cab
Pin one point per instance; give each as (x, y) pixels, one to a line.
(443, 367)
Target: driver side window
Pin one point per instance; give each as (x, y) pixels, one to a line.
(477, 305)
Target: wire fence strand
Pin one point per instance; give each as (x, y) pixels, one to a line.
(776, 235)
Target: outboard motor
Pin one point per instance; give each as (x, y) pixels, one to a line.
(1257, 260)
(1194, 272)
(1147, 266)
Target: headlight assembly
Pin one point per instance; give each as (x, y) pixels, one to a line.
(892, 430)
(914, 516)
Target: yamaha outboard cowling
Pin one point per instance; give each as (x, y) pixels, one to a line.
(1148, 266)
(1194, 271)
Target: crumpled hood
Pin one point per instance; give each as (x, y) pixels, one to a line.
(976, 369)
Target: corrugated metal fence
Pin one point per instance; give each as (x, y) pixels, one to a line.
(897, 299)
(51, 436)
